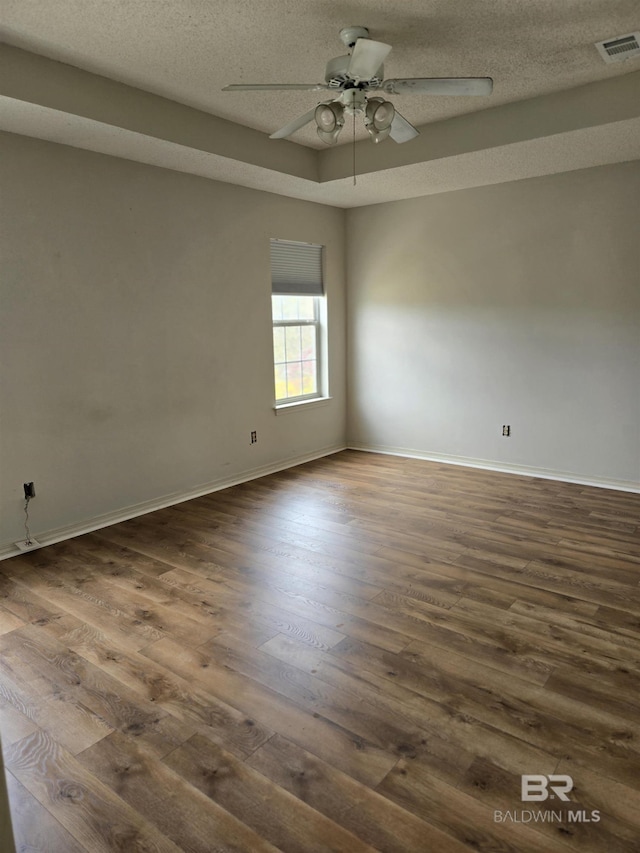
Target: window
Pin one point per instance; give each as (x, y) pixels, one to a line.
(298, 310)
(296, 347)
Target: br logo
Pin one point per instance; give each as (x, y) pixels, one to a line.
(536, 787)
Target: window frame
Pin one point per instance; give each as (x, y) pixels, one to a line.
(316, 322)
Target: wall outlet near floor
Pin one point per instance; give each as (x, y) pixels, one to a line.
(506, 429)
(28, 544)
(29, 490)
(254, 436)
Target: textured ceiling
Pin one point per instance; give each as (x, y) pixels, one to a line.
(188, 50)
(142, 80)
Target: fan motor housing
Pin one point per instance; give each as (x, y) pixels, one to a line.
(350, 35)
(336, 76)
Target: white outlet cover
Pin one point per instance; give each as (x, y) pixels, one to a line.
(28, 545)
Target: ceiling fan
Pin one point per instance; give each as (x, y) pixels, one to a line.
(353, 76)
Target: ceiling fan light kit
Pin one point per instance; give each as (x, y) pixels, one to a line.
(329, 121)
(357, 73)
(378, 118)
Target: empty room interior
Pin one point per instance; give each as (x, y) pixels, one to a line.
(320, 426)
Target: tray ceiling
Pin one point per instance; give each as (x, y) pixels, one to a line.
(186, 52)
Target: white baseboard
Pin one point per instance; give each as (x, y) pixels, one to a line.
(502, 467)
(69, 531)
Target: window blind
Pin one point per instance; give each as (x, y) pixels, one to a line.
(296, 269)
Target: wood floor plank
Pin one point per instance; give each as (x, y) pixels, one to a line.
(461, 815)
(141, 609)
(39, 704)
(547, 720)
(274, 813)
(173, 693)
(189, 819)
(106, 702)
(141, 582)
(21, 600)
(494, 786)
(600, 628)
(621, 700)
(36, 829)
(619, 804)
(350, 804)
(274, 603)
(8, 621)
(550, 644)
(364, 652)
(366, 717)
(509, 586)
(354, 755)
(14, 723)
(85, 606)
(540, 719)
(209, 559)
(448, 737)
(421, 728)
(620, 622)
(585, 587)
(244, 596)
(89, 810)
(342, 565)
(477, 639)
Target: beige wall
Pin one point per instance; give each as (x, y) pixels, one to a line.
(135, 333)
(135, 350)
(512, 304)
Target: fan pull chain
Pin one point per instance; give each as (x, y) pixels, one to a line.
(354, 149)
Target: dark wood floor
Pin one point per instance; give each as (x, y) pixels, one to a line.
(361, 653)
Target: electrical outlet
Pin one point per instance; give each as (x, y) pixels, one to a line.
(506, 430)
(254, 436)
(28, 544)
(29, 490)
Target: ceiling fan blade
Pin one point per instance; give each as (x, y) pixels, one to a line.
(367, 56)
(266, 87)
(439, 86)
(294, 125)
(402, 130)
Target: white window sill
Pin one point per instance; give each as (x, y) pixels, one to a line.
(288, 408)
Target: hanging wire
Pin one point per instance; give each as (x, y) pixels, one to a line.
(26, 522)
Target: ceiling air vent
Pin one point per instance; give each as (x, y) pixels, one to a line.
(620, 48)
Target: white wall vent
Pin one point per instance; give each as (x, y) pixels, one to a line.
(620, 48)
